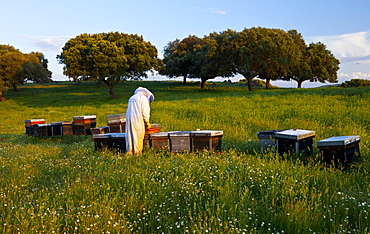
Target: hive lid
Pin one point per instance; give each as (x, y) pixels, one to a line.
(206, 133)
(116, 118)
(179, 133)
(85, 117)
(155, 125)
(105, 127)
(268, 134)
(339, 140)
(34, 120)
(295, 134)
(41, 125)
(159, 134)
(118, 135)
(102, 136)
(56, 123)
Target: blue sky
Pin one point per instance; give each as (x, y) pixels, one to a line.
(45, 26)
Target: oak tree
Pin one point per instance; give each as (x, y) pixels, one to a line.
(109, 58)
(181, 57)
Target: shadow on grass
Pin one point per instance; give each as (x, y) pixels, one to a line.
(91, 93)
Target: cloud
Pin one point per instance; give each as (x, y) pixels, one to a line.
(354, 75)
(348, 48)
(214, 10)
(48, 43)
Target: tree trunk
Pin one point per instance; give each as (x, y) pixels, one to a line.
(268, 83)
(202, 83)
(299, 84)
(250, 87)
(184, 80)
(111, 92)
(15, 88)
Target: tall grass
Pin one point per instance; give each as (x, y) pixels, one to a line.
(61, 185)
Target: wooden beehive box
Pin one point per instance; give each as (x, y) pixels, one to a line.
(116, 118)
(100, 130)
(102, 141)
(40, 130)
(267, 139)
(340, 150)
(56, 128)
(180, 141)
(154, 129)
(295, 141)
(67, 128)
(116, 123)
(160, 141)
(30, 122)
(83, 124)
(118, 142)
(209, 140)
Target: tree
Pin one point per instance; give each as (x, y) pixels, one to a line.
(17, 67)
(286, 54)
(260, 51)
(180, 57)
(109, 58)
(44, 62)
(324, 65)
(315, 63)
(210, 59)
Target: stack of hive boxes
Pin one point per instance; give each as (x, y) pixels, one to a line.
(116, 123)
(172, 141)
(80, 125)
(83, 124)
(187, 141)
(29, 125)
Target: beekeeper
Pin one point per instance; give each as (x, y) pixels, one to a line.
(137, 117)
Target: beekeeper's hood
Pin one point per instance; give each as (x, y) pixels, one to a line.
(145, 92)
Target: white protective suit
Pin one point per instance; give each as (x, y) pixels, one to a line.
(137, 114)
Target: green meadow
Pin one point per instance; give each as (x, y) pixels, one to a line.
(62, 185)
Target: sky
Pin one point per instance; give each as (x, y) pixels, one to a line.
(45, 26)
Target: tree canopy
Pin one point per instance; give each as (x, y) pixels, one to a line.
(180, 57)
(109, 58)
(264, 53)
(17, 67)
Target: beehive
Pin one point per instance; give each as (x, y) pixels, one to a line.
(67, 128)
(40, 130)
(209, 140)
(160, 141)
(56, 128)
(118, 142)
(30, 122)
(82, 124)
(340, 150)
(154, 129)
(100, 130)
(102, 141)
(295, 141)
(267, 139)
(116, 123)
(180, 141)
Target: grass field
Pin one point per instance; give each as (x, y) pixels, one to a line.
(62, 185)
